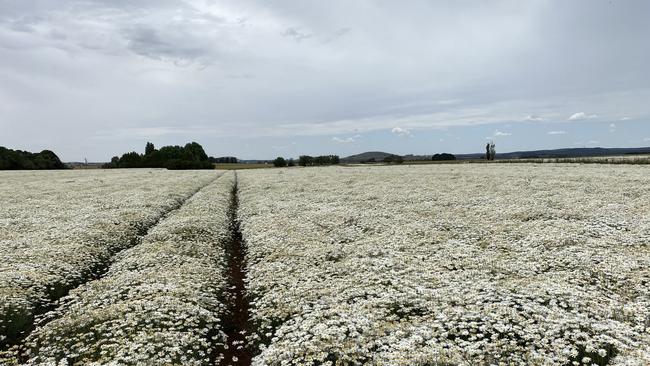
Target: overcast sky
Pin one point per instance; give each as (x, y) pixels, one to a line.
(259, 78)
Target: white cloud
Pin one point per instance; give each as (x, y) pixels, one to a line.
(533, 118)
(556, 132)
(501, 133)
(625, 119)
(346, 140)
(647, 139)
(401, 132)
(593, 142)
(612, 127)
(581, 116)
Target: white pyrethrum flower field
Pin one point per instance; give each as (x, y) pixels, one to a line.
(454, 264)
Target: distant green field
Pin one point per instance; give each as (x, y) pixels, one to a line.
(238, 166)
(619, 159)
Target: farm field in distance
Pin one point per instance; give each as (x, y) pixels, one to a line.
(241, 166)
(450, 264)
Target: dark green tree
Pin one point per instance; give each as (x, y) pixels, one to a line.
(194, 151)
(443, 156)
(18, 159)
(149, 149)
(279, 162)
(191, 156)
(131, 160)
(305, 160)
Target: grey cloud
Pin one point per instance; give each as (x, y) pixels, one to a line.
(343, 31)
(58, 35)
(340, 33)
(24, 24)
(165, 31)
(296, 34)
(313, 68)
(162, 44)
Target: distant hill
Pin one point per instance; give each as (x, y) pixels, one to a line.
(378, 156)
(553, 153)
(562, 153)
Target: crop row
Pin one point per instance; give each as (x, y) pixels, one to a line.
(60, 229)
(465, 265)
(160, 302)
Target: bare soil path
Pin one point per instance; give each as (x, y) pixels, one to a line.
(236, 326)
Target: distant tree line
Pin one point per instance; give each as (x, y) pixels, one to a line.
(190, 156)
(280, 162)
(443, 156)
(393, 159)
(18, 159)
(306, 160)
(223, 160)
